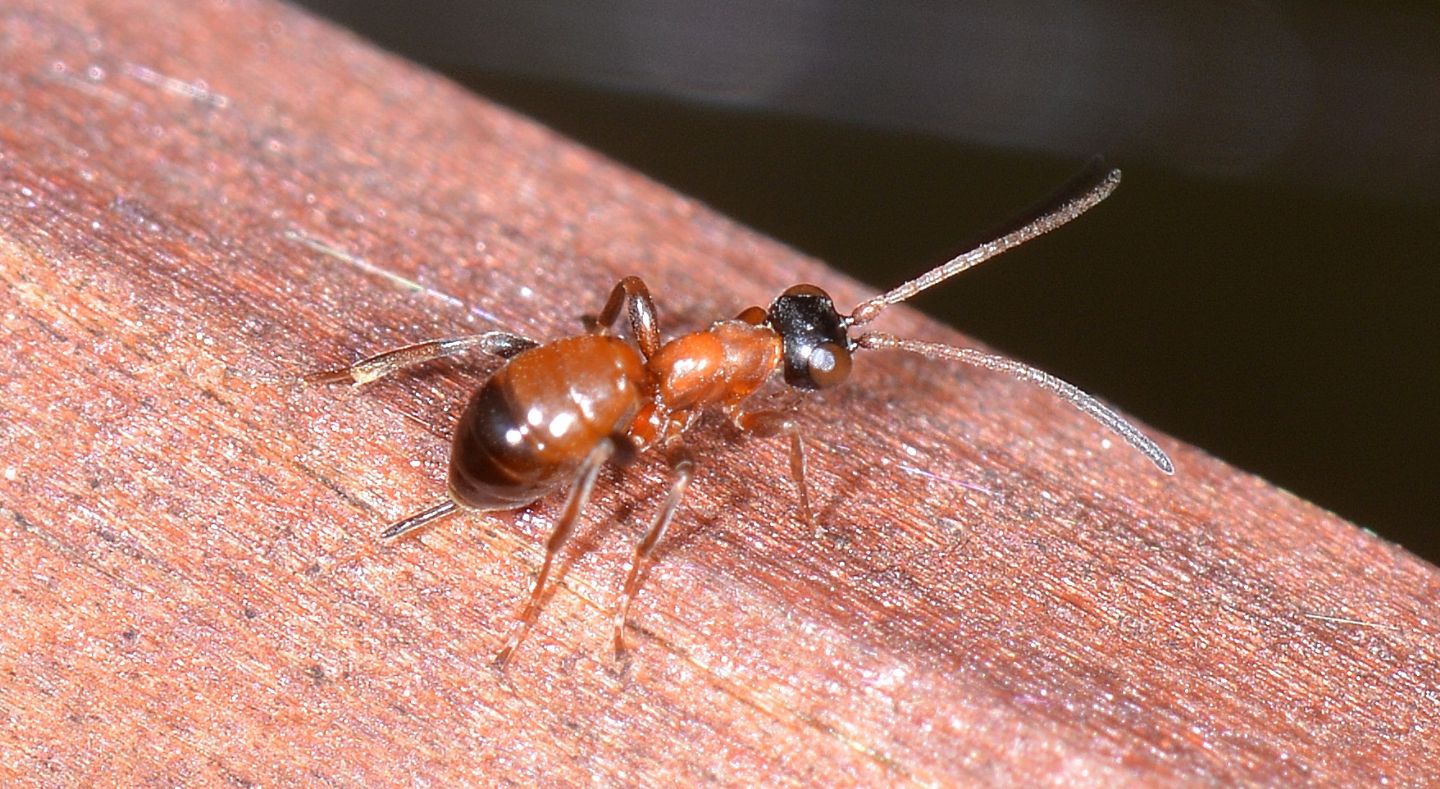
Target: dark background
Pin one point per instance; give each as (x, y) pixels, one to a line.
(1262, 285)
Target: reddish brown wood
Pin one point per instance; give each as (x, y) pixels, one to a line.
(193, 591)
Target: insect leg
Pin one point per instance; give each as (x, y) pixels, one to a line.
(682, 470)
(574, 505)
(767, 424)
(631, 291)
(495, 343)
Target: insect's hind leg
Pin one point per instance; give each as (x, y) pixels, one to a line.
(683, 470)
(569, 516)
(495, 343)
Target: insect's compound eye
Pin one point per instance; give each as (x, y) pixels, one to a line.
(816, 348)
(829, 364)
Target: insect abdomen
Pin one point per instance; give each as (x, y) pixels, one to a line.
(526, 430)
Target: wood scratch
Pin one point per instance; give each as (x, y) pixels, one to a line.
(197, 90)
(370, 268)
(924, 474)
(92, 88)
(1343, 621)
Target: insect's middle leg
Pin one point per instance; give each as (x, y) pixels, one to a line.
(682, 469)
(574, 506)
(495, 343)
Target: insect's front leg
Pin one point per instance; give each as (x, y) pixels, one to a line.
(769, 423)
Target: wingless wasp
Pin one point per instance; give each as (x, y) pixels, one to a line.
(554, 413)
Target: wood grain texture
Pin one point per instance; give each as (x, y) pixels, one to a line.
(196, 195)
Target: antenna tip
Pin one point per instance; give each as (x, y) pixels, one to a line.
(1108, 183)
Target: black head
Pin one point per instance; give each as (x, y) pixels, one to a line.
(814, 337)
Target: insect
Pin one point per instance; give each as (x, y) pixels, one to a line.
(553, 414)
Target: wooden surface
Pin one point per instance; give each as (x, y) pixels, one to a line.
(197, 195)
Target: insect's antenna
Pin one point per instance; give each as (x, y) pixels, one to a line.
(1081, 194)
(1087, 404)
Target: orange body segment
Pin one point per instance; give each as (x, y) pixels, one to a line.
(722, 365)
